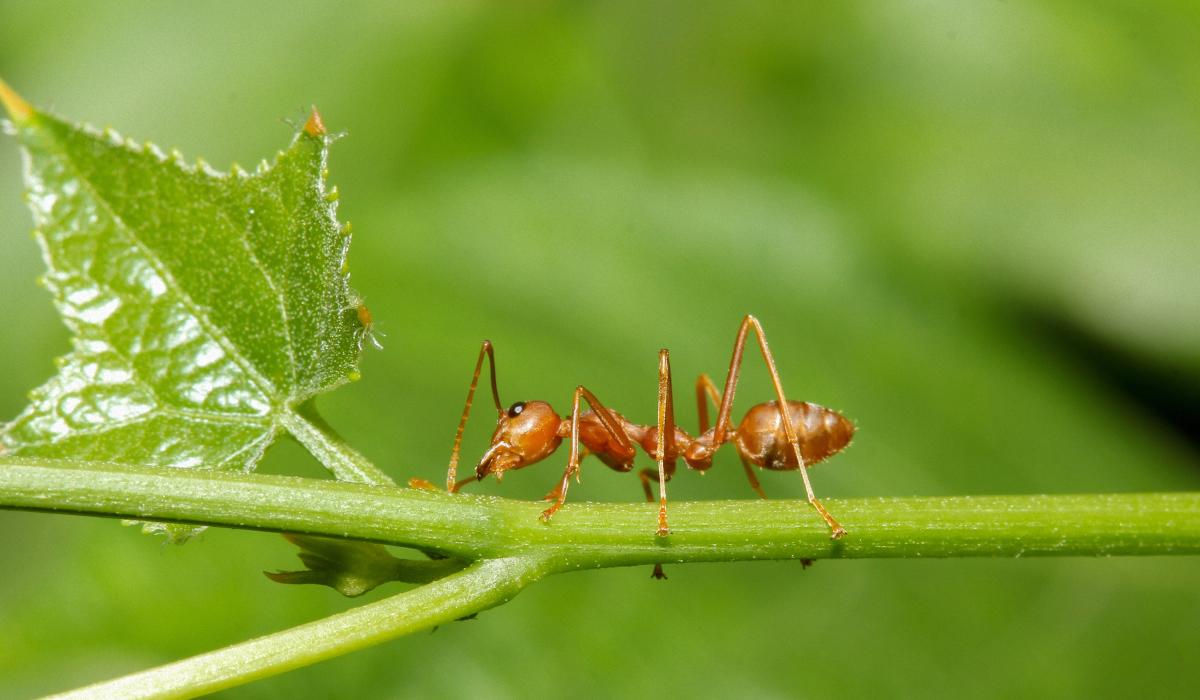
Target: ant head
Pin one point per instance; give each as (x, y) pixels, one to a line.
(525, 433)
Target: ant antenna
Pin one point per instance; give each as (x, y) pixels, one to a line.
(485, 349)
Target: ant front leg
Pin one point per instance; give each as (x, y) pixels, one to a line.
(554, 492)
(417, 482)
(836, 529)
(611, 426)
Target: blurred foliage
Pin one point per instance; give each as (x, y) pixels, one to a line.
(906, 194)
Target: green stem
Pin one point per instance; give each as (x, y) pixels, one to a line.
(331, 449)
(485, 584)
(512, 548)
(589, 535)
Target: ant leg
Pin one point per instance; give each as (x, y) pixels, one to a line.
(452, 483)
(461, 483)
(665, 449)
(836, 530)
(560, 491)
(553, 495)
(418, 483)
(610, 424)
(646, 476)
(705, 389)
(752, 477)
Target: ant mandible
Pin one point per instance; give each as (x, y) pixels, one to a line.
(779, 435)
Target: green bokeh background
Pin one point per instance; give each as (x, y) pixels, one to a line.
(909, 195)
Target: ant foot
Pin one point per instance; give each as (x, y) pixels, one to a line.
(548, 513)
(838, 533)
(658, 573)
(418, 483)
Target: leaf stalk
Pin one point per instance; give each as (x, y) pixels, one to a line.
(483, 585)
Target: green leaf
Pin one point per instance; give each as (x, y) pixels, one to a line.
(353, 568)
(206, 307)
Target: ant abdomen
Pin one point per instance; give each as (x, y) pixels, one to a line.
(762, 440)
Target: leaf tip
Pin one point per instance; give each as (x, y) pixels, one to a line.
(18, 109)
(314, 126)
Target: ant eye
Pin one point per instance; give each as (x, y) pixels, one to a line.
(515, 409)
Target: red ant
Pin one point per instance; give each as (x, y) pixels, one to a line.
(779, 435)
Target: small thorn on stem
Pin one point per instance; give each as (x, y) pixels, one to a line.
(18, 109)
(314, 126)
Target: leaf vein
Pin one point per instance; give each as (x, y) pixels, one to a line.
(280, 298)
(262, 383)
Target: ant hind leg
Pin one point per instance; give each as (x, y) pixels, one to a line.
(752, 477)
(735, 363)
